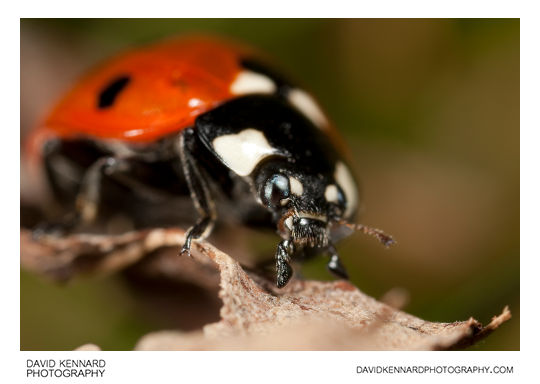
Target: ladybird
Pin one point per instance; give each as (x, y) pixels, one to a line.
(204, 118)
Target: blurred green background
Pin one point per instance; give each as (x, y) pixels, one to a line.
(430, 110)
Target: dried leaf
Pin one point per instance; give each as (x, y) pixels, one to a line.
(305, 315)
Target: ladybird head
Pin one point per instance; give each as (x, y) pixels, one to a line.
(305, 204)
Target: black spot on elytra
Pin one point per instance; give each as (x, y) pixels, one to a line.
(109, 93)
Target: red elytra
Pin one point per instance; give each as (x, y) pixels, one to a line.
(171, 83)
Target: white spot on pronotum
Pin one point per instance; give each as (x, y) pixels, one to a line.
(289, 222)
(296, 186)
(343, 177)
(331, 193)
(308, 106)
(247, 82)
(242, 151)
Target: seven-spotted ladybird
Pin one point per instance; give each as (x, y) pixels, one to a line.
(205, 118)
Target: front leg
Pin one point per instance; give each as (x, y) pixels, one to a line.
(284, 252)
(334, 265)
(199, 191)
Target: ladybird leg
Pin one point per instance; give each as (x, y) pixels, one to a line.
(50, 152)
(87, 199)
(89, 196)
(199, 192)
(284, 252)
(334, 265)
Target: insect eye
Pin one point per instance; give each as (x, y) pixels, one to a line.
(276, 189)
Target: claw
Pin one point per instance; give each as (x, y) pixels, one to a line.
(48, 229)
(56, 228)
(186, 250)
